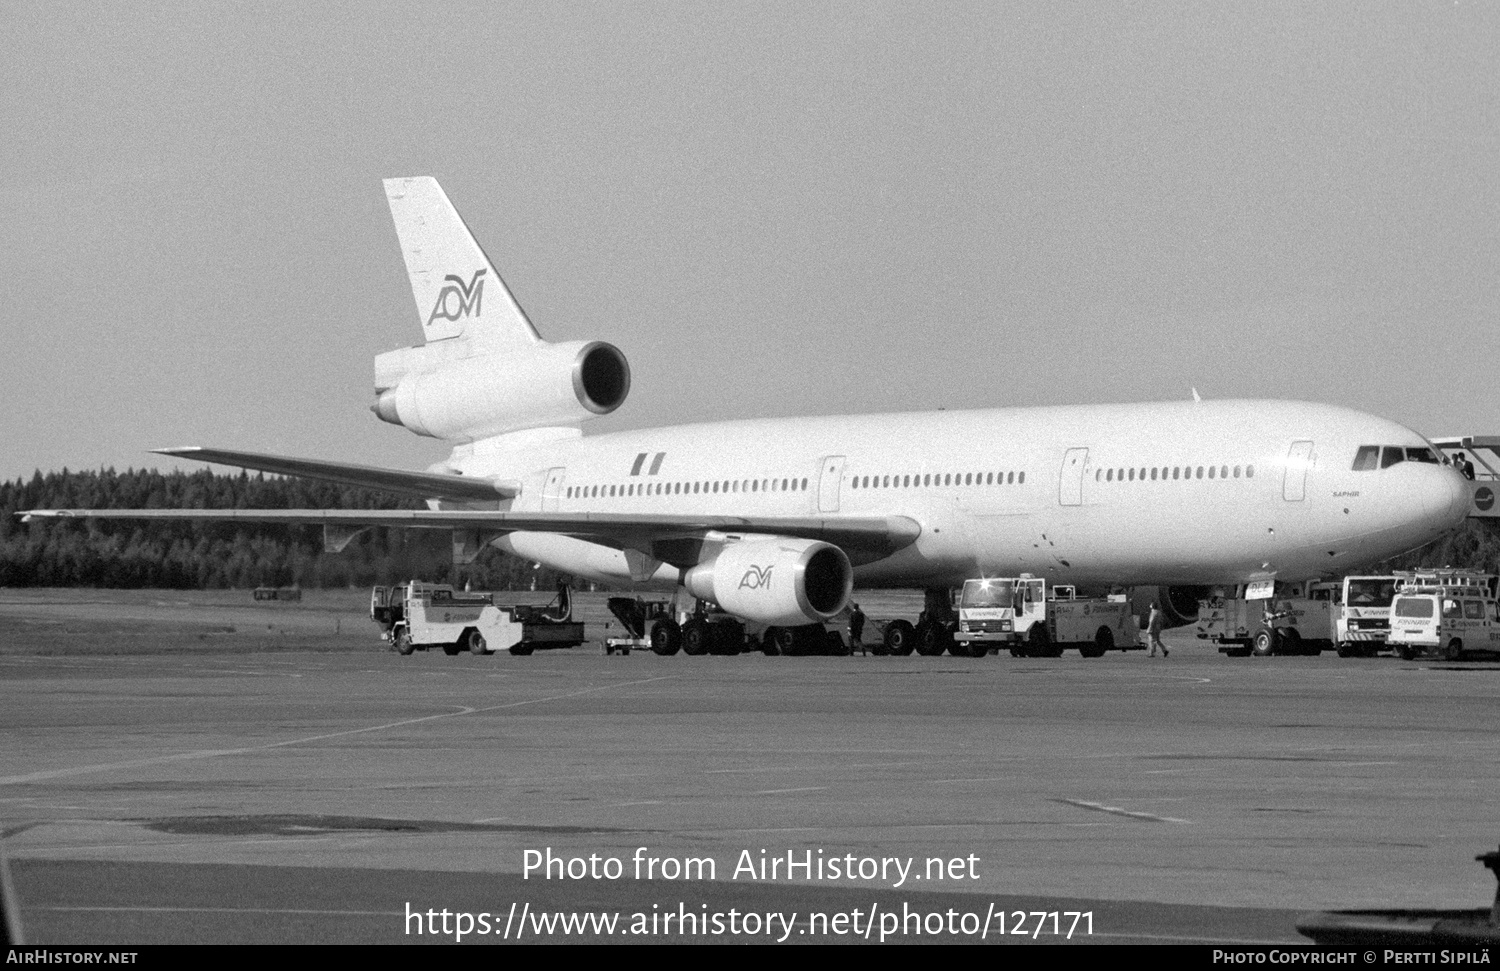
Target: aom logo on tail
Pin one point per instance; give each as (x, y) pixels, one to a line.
(464, 298)
(755, 577)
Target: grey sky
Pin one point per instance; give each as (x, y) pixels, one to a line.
(772, 209)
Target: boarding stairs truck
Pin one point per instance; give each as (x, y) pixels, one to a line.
(1266, 617)
(1035, 619)
(415, 616)
(1445, 613)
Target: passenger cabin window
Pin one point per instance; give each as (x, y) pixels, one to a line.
(1366, 459)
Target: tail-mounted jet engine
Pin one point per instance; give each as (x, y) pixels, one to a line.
(468, 398)
(778, 582)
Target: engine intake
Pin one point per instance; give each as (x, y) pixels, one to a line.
(781, 582)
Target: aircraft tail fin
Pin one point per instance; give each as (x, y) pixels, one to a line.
(458, 292)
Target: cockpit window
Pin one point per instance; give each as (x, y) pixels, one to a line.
(1393, 454)
(1422, 455)
(1367, 458)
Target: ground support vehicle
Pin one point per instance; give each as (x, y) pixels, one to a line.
(1363, 614)
(1260, 619)
(1034, 619)
(637, 616)
(415, 616)
(1445, 618)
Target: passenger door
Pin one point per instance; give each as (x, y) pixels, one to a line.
(1298, 458)
(552, 490)
(829, 480)
(1070, 485)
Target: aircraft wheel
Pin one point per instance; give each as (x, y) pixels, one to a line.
(666, 637)
(900, 637)
(1454, 650)
(834, 644)
(1291, 641)
(403, 642)
(521, 650)
(1407, 652)
(696, 637)
(1017, 651)
(768, 643)
(928, 641)
(1265, 643)
(475, 643)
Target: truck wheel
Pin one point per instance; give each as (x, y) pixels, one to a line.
(666, 637)
(900, 637)
(1407, 652)
(476, 643)
(1039, 642)
(1346, 649)
(1265, 643)
(403, 642)
(1104, 641)
(1454, 650)
(695, 637)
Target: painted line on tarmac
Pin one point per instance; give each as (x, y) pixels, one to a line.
(216, 753)
(1100, 807)
(779, 792)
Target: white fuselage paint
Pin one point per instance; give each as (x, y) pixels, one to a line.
(1303, 513)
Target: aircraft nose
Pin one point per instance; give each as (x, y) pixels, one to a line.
(1446, 498)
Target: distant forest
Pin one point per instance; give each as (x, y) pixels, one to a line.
(101, 553)
(80, 553)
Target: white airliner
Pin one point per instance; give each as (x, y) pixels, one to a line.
(775, 520)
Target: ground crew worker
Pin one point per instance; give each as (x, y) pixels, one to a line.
(856, 629)
(1154, 626)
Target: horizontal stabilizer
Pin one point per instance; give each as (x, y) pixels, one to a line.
(425, 485)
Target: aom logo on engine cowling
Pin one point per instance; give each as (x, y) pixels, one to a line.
(755, 577)
(458, 299)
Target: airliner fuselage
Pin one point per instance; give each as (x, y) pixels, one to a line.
(1165, 493)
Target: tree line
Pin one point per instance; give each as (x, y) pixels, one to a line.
(202, 556)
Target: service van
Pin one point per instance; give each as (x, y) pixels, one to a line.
(1444, 620)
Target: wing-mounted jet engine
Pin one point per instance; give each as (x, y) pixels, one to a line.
(484, 370)
(775, 581)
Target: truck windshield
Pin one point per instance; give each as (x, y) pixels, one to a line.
(987, 593)
(1414, 607)
(1371, 593)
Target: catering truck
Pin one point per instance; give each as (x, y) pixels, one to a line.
(1036, 619)
(415, 616)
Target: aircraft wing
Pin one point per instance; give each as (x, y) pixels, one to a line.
(864, 538)
(425, 485)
